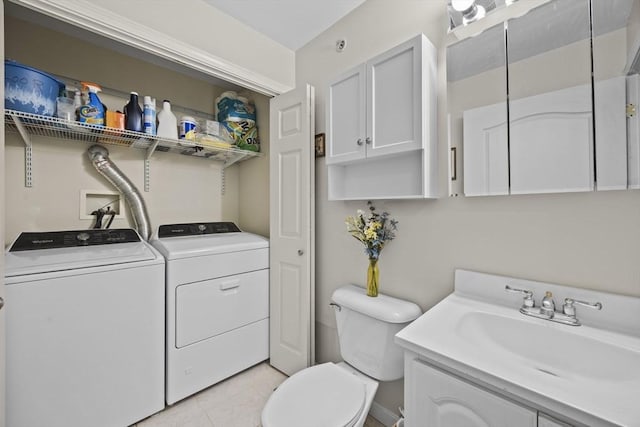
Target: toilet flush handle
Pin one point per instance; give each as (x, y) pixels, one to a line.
(336, 306)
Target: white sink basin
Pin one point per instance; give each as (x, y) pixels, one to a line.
(556, 351)
(590, 374)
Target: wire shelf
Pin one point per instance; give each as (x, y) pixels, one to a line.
(52, 127)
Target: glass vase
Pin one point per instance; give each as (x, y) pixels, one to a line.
(373, 278)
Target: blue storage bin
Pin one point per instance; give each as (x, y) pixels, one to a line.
(30, 90)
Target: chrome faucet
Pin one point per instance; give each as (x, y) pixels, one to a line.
(548, 305)
(547, 309)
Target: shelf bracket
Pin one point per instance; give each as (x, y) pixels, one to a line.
(235, 159)
(147, 165)
(28, 152)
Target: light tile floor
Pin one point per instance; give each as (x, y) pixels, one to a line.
(235, 402)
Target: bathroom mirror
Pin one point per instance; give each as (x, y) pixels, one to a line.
(616, 44)
(526, 112)
(550, 114)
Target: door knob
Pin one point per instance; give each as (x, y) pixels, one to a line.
(300, 252)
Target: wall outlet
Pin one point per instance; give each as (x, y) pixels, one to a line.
(92, 200)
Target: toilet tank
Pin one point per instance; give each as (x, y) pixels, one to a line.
(366, 330)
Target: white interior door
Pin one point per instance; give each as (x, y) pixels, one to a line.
(2, 321)
(291, 262)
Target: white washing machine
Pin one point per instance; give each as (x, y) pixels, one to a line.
(85, 329)
(217, 303)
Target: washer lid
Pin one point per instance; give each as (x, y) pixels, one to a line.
(49, 260)
(323, 395)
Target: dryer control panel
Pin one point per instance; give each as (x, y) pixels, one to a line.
(29, 241)
(196, 228)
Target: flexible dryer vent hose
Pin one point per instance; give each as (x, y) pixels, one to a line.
(99, 156)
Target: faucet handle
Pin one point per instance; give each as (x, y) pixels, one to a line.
(570, 310)
(528, 296)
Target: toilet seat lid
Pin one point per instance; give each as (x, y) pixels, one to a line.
(323, 395)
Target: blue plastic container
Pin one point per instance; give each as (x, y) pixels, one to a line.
(30, 90)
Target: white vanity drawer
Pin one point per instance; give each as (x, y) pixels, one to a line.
(211, 307)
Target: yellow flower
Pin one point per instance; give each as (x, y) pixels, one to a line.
(370, 233)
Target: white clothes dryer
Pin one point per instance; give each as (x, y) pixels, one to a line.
(85, 329)
(217, 280)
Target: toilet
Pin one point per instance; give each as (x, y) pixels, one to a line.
(340, 394)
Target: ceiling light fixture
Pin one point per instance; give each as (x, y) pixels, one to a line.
(469, 9)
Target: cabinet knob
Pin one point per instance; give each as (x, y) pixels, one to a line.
(300, 252)
(359, 141)
(368, 141)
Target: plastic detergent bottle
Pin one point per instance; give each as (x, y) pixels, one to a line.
(149, 114)
(133, 114)
(93, 112)
(167, 122)
(77, 103)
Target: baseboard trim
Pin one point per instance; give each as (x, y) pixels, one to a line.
(382, 414)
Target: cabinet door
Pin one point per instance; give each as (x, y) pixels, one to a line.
(486, 151)
(545, 420)
(395, 98)
(437, 399)
(551, 150)
(346, 117)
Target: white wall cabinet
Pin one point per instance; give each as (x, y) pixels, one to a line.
(381, 126)
(434, 398)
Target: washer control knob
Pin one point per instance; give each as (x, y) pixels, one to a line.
(83, 237)
(202, 227)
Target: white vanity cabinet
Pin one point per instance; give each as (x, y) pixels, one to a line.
(474, 355)
(435, 398)
(381, 134)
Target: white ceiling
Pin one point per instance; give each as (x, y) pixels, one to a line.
(292, 23)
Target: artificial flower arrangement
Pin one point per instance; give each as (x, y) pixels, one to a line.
(374, 230)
